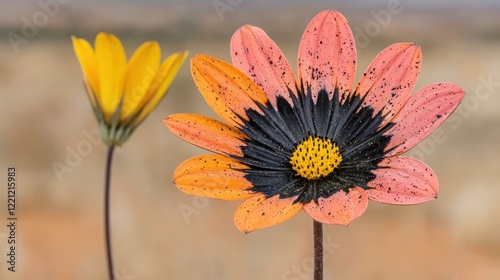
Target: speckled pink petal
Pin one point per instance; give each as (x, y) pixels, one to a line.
(256, 55)
(403, 180)
(327, 55)
(340, 208)
(422, 113)
(389, 79)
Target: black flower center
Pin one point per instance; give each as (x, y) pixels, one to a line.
(310, 150)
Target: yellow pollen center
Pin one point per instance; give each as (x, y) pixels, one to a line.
(315, 158)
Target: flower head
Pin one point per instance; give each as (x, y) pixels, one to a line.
(123, 93)
(316, 143)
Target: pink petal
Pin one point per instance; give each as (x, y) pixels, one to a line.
(403, 180)
(389, 80)
(422, 113)
(254, 53)
(260, 212)
(327, 55)
(340, 208)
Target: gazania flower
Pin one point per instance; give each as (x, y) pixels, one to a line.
(316, 142)
(122, 94)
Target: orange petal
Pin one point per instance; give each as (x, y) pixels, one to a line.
(226, 89)
(259, 57)
(206, 133)
(340, 208)
(403, 180)
(213, 176)
(389, 79)
(423, 112)
(259, 212)
(327, 55)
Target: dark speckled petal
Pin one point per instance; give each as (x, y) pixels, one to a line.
(327, 56)
(254, 53)
(424, 111)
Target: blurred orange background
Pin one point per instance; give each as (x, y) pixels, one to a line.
(160, 232)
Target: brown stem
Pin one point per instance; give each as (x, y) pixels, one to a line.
(107, 188)
(318, 250)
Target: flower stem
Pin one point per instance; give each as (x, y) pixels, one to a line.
(318, 250)
(107, 187)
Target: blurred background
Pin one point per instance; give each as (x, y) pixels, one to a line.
(159, 232)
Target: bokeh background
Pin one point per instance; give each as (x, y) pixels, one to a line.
(160, 232)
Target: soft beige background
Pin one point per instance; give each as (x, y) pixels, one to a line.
(45, 116)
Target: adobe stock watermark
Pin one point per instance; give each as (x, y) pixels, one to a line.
(75, 155)
(470, 103)
(305, 269)
(194, 209)
(30, 25)
(123, 275)
(139, 91)
(223, 6)
(373, 28)
(363, 36)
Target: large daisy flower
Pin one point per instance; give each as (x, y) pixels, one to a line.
(316, 142)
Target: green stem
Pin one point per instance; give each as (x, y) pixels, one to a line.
(107, 188)
(318, 250)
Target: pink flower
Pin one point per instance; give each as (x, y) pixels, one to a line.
(316, 142)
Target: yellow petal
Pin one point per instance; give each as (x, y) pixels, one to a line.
(88, 63)
(111, 71)
(166, 74)
(140, 73)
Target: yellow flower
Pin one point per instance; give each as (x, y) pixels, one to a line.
(123, 93)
